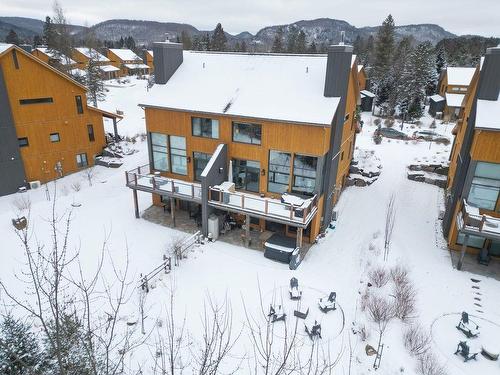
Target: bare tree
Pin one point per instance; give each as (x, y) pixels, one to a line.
(405, 300)
(429, 365)
(89, 174)
(217, 337)
(378, 276)
(390, 217)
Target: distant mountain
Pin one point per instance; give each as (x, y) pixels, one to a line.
(323, 31)
(27, 28)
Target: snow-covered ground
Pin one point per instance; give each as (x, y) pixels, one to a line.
(340, 262)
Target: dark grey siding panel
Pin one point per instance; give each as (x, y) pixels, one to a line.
(214, 174)
(489, 83)
(12, 174)
(336, 83)
(167, 58)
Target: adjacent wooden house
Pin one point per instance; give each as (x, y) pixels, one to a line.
(59, 60)
(149, 60)
(472, 218)
(453, 85)
(267, 138)
(47, 130)
(127, 61)
(82, 56)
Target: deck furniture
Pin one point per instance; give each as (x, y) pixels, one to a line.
(327, 304)
(464, 350)
(301, 314)
(276, 314)
(295, 292)
(467, 326)
(490, 349)
(313, 329)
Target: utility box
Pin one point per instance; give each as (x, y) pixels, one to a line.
(213, 226)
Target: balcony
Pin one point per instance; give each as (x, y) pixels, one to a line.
(142, 179)
(471, 221)
(296, 212)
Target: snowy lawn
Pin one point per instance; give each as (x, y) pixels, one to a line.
(340, 262)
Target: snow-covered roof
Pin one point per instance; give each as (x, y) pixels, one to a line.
(63, 59)
(454, 100)
(125, 54)
(436, 98)
(150, 52)
(267, 86)
(367, 93)
(91, 53)
(488, 114)
(108, 68)
(78, 72)
(359, 68)
(4, 47)
(459, 76)
(136, 66)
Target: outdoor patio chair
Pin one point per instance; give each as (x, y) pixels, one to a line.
(467, 326)
(300, 314)
(313, 330)
(295, 292)
(276, 314)
(464, 350)
(328, 303)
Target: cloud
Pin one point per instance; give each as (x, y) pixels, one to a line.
(458, 16)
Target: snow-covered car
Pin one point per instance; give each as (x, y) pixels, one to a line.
(429, 135)
(391, 133)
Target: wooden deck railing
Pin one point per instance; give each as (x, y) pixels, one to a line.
(264, 206)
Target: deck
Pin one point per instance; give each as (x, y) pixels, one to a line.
(472, 223)
(142, 179)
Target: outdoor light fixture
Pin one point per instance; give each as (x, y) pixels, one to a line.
(221, 170)
(188, 159)
(263, 172)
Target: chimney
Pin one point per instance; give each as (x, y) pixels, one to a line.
(338, 66)
(167, 58)
(489, 78)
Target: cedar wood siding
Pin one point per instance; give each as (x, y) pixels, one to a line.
(484, 148)
(37, 121)
(294, 138)
(81, 60)
(149, 61)
(362, 79)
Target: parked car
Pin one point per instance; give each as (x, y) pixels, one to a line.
(429, 135)
(390, 133)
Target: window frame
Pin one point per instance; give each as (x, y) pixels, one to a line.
(195, 177)
(15, 59)
(79, 164)
(213, 122)
(304, 176)
(237, 164)
(55, 134)
(482, 183)
(234, 124)
(23, 145)
(158, 151)
(90, 132)
(274, 173)
(31, 101)
(79, 104)
(182, 156)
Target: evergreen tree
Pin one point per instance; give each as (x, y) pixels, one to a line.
(186, 40)
(219, 39)
(278, 41)
(93, 80)
(243, 46)
(399, 74)
(237, 47)
(441, 62)
(130, 43)
(121, 42)
(58, 38)
(48, 31)
(37, 41)
(291, 42)
(19, 350)
(196, 44)
(206, 43)
(312, 47)
(301, 42)
(70, 334)
(12, 38)
(384, 50)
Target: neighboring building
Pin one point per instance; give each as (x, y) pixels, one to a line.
(234, 132)
(149, 60)
(127, 61)
(52, 58)
(46, 127)
(453, 85)
(83, 55)
(362, 77)
(472, 218)
(436, 105)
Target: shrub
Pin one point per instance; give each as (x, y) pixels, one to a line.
(76, 186)
(429, 365)
(377, 121)
(22, 203)
(378, 276)
(399, 275)
(416, 341)
(433, 124)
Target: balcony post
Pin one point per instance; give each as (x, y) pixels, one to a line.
(242, 201)
(266, 207)
(172, 210)
(135, 179)
(299, 238)
(462, 252)
(292, 208)
(247, 231)
(192, 191)
(173, 186)
(136, 203)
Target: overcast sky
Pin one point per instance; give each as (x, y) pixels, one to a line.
(480, 17)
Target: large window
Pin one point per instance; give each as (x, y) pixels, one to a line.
(304, 174)
(205, 127)
(90, 131)
(81, 160)
(178, 155)
(485, 187)
(279, 171)
(159, 151)
(246, 175)
(247, 133)
(474, 241)
(200, 161)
